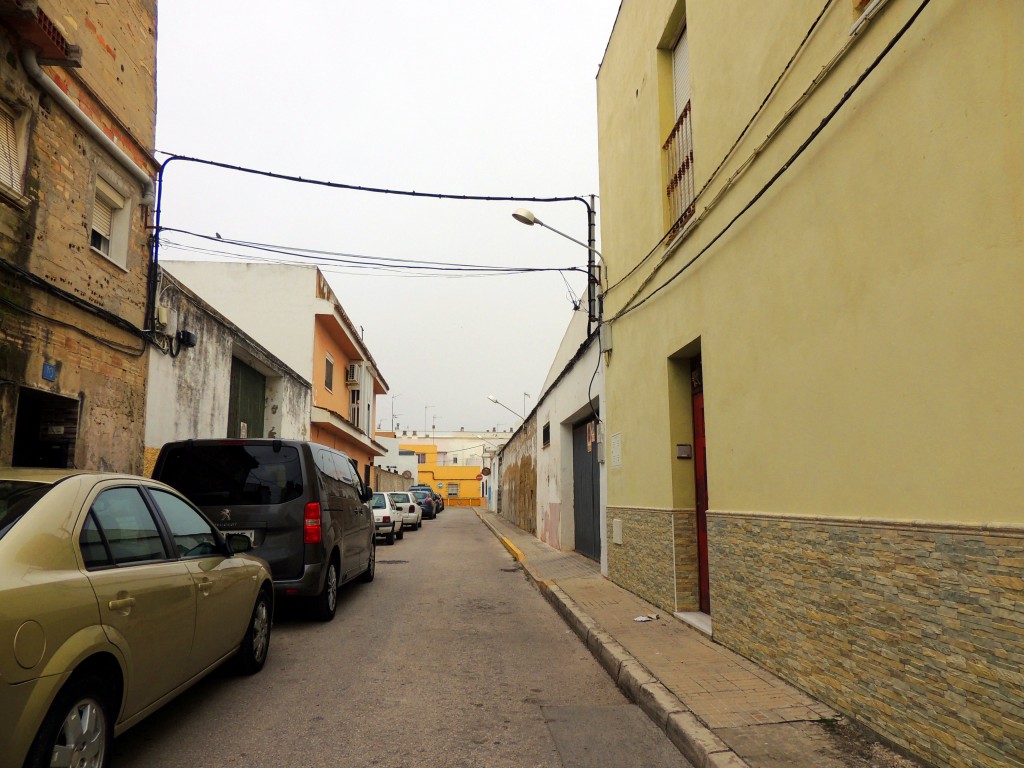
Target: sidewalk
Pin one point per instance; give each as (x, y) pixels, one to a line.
(718, 708)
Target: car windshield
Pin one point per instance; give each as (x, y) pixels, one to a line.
(234, 474)
(16, 498)
(378, 501)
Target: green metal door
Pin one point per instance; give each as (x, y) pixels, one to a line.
(246, 401)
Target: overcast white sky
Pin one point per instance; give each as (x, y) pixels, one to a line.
(455, 96)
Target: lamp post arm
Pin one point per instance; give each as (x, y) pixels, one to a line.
(498, 402)
(568, 237)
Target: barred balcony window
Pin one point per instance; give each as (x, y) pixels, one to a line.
(679, 170)
(678, 147)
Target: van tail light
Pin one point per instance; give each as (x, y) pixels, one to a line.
(312, 532)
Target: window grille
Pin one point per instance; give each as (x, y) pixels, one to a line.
(678, 148)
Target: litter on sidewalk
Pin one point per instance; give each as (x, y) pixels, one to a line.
(648, 617)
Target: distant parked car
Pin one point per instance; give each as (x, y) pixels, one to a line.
(387, 520)
(437, 497)
(302, 504)
(405, 502)
(426, 501)
(116, 594)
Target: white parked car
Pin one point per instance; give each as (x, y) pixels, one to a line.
(387, 521)
(405, 504)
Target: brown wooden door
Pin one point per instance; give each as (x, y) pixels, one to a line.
(700, 469)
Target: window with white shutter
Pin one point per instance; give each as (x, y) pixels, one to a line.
(109, 231)
(102, 215)
(11, 171)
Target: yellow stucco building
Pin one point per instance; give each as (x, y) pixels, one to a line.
(813, 228)
(458, 484)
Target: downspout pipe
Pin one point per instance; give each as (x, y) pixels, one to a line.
(28, 58)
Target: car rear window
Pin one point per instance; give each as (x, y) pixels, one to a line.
(236, 475)
(378, 501)
(399, 498)
(16, 498)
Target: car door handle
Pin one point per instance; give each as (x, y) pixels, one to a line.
(122, 605)
(205, 584)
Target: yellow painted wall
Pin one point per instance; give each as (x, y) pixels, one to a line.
(861, 326)
(430, 473)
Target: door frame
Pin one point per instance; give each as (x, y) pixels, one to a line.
(700, 472)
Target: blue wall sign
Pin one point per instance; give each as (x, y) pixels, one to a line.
(49, 372)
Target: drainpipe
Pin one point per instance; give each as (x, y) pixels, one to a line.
(28, 58)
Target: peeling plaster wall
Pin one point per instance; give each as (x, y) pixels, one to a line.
(517, 502)
(188, 395)
(384, 480)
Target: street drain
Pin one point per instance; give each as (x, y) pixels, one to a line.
(392, 562)
(515, 569)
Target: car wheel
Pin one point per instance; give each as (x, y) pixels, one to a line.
(252, 654)
(78, 728)
(389, 537)
(401, 533)
(368, 574)
(326, 603)
(419, 523)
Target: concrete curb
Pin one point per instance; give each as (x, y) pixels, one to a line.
(693, 739)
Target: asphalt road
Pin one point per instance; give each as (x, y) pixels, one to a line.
(449, 658)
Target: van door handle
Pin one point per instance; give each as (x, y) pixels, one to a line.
(122, 605)
(204, 585)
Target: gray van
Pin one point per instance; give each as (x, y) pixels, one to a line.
(302, 504)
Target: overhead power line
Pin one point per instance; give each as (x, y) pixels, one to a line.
(355, 261)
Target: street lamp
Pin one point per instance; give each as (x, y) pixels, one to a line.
(496, 401)
(594, 308)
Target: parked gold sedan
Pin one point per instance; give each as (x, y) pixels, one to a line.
(116, 595)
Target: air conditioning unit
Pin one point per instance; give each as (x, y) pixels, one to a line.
(350, 374)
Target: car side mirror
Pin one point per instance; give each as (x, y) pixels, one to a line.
(367, 493)
(238, 542)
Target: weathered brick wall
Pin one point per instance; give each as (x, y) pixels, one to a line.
(517, 498)
(118, 66)
(46, 231)
(916, 631)
(643, 563)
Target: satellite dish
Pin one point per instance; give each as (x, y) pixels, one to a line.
(407, 475)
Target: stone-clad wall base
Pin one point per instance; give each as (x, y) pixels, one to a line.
(915, 630)
(684, 530)
(645, 562)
